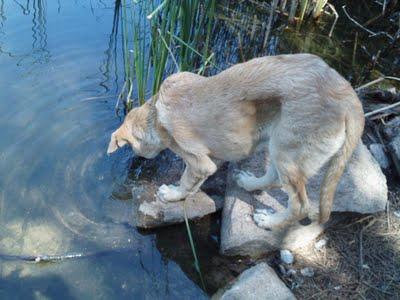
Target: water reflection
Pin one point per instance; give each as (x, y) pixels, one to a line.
(56, 180)
(39, 34)
(111, 52)
(25, 8)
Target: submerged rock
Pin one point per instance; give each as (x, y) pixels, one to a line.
(362, 189)
(259, 282)
(167, 168)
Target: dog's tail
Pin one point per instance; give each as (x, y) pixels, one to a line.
(354, 126)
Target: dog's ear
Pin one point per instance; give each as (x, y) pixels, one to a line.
(116, 142)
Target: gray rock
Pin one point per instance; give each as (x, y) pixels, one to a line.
(167, 168)
(392, 133)
(394, 148)
(362, 189)
(392, 128)
(259, 282)
(151, 212)
(378, 152)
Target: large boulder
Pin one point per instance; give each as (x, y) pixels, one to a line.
(167, 168)
(362, 189)
(259, 282)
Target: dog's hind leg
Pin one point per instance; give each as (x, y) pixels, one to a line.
(293, 182)
(296, 208)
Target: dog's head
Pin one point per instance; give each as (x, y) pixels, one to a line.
(138, 130)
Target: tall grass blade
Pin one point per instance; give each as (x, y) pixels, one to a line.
(319, 8)
(303, 8)
(196, 260)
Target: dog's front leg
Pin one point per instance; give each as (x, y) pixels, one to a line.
(197, 170)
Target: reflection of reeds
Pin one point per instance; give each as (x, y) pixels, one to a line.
(152, 34)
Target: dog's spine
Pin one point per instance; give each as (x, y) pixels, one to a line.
(354, 126)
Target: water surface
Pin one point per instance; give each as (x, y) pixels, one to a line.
(60, 69)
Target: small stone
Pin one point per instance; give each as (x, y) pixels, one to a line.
(287, 257)
(365, 266)
(397, 214)
(338, 287)
(282, 269)
(320, 244)
(291, 272)
(307, 272)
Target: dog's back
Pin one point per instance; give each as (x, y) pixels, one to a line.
(307, 113)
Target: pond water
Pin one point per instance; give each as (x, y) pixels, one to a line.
(60, 72)
(56, 57)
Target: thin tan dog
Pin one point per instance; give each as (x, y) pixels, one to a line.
(296, 105)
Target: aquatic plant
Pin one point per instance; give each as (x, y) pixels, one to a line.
(161, 38)
(303, 8)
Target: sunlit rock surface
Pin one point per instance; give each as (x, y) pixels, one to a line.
(167, 168)
(259, 282)
(362, 189)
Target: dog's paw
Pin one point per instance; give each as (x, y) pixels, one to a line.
(262, 219)
(267, 220)
(246, 180)
(170, 193)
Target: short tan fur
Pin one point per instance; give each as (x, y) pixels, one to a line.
(296, 105)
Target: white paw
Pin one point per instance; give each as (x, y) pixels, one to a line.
(264, 219)
(246, 180)
(170, 193)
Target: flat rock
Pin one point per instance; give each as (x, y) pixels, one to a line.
(259, 282)
(362, 189)
(167, 168)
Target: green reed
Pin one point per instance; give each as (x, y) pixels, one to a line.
(154, 34)
(300, 9)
